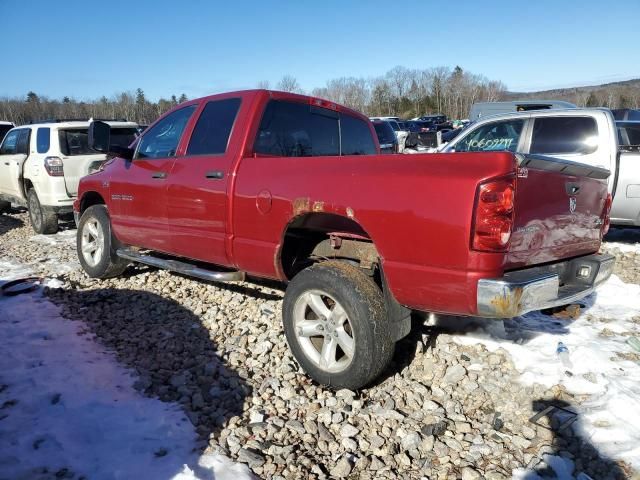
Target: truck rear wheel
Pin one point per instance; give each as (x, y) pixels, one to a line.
(336, 324)
(43, 221)
(96, 245)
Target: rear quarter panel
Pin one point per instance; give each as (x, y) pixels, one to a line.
(417, 209)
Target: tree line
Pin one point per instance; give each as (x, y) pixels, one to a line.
(402, 92)
(126, 105)
(624, 94)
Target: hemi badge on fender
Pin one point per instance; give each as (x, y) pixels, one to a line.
(522, 172)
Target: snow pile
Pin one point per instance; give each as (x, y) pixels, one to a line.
(68, 407)
(603, 364)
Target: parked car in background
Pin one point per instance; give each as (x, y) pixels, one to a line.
(42, 163)
(437, 119)
(386, 136)
(401, 134)
(587, 135)
(453, 133)
(4, 128)
(417, 126)
(220, 188)
(626, 200)
(485, 109)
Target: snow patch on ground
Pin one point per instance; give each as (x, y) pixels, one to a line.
(12, 270)
(65, 403)
(610, 417)
(64, 237)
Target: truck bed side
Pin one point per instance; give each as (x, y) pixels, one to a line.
(416, 209)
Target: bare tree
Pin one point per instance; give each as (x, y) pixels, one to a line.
(288, 83)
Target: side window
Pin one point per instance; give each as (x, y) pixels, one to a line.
(10, 142)
(162, 139)
(23, 141)
(290, 129)
(356, 136)
(562, 135)
(43, 140)
(498, 136)
(211, 133)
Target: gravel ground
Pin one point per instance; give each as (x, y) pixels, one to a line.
(441, 411)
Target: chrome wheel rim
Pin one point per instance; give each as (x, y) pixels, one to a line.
(92, 242)
(323, 331)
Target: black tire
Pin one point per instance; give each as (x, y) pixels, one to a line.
(105, 263)
(43, 221)
(4, 206)
(363, 303)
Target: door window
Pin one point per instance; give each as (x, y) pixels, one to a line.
(10, 143)
(497, 136)
(356, 137)
(291, 129)
(564, 135)
(23, 141)
(161, 140)
(43, 140)
(211, 133)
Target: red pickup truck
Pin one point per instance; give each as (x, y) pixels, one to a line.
(289, 187)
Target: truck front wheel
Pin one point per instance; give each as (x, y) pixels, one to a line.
(336, 325)
(97, 246)
(43, 221)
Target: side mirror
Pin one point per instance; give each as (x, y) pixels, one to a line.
(100, 141)
(99, 136)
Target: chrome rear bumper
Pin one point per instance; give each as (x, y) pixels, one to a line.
(537, 288)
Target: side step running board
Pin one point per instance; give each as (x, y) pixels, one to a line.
(180, 267)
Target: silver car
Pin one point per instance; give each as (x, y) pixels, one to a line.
(584, 135)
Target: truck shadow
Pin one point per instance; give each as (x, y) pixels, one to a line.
(520, 329)
(425, 329)
(569, 453)
(170, 350)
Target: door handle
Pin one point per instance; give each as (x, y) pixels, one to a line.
(6, 163)
(216, 174)
(159, 175)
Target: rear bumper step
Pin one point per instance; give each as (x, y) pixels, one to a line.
(180, 267)
(537, 288)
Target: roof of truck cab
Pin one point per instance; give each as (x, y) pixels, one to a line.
(276, 95)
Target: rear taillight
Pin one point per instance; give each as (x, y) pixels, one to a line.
(493, 222)
(606, 221)
(54, 166)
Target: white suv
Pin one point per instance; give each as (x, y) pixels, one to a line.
(41, 165)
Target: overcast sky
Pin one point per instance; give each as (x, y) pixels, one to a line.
(86, 49)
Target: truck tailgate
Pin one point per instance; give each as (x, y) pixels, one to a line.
(559, 210)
